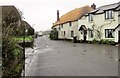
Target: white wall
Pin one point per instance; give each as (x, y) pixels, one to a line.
(98, 22)
(74, 28)
(116, 34)
(67, 29)
(84, 21)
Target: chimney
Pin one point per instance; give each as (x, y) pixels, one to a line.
(93, 6)
(57, 15)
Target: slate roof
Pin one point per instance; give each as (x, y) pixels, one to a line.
(115, 6)
(73, 15)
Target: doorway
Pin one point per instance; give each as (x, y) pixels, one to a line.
(84, 36)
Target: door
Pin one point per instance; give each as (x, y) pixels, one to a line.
(118, 36)
(84, 36)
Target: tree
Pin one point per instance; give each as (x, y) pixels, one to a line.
(11, 52)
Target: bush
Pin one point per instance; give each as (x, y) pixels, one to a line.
(53, 35)
(94, 41)
(109, 42)
(16, 71)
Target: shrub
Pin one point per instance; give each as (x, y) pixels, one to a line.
(109, 42)
(94, 41)
(53, 35)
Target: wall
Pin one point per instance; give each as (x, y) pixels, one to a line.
(84, 21)
(98, 23)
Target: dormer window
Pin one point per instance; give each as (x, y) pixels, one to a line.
(90, 17)
(109, 14)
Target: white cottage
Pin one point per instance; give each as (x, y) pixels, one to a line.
(102, 23)
(67, 25)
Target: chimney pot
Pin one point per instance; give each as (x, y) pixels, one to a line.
(93, 6)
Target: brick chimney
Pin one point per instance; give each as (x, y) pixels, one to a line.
(57, 15)
(93, 6)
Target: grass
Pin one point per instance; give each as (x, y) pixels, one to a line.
(27, 38)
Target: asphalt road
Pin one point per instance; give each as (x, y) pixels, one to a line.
(63, 58)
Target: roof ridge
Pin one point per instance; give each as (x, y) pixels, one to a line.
(109, 4)
(75, 9)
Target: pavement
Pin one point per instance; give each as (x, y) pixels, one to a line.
(29, 53)
(63, 58)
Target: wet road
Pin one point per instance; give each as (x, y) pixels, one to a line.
(62, 58)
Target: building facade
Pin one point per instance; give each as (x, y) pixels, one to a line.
(100, 24)
(90, 23)
(67, 25)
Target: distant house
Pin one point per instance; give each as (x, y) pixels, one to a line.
(25, 25)
(67, 25)
(101, 23)
(11, 17)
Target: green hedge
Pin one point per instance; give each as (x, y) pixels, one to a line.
(102, 41)
(53, 35)
(11, 55)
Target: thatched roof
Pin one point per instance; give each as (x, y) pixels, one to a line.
(73, 15)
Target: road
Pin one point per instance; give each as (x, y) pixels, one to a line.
(64, 58)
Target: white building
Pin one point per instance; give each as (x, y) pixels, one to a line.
(88, 24)
(67, 25)
(102, 23)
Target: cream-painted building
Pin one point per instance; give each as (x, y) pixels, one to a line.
(101, 23)
(89, 23)
(67, 25)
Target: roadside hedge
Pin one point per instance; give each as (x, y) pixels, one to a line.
(102, 41)
(53, 34)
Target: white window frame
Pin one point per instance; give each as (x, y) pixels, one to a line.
(109, 14)
(90, 17)
(91, 35)
(109, 32)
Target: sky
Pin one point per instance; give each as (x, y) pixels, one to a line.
(41, 14)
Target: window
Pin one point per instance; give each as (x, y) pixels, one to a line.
(62, 25)
(91, 33)
(54, 29)
(72, 33)
(109, 14)
(90, 17)
(70, 23)
(59, 27)
(64, 33)
(108, 33)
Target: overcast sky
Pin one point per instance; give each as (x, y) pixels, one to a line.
(40, 14)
